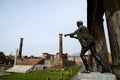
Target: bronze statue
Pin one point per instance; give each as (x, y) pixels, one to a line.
(87, 42)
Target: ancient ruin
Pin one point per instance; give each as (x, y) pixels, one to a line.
(60, 60)
(24, 65)
(47, 61)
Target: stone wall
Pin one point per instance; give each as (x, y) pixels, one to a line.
(55, 61)
(77, 59)
(49, 63)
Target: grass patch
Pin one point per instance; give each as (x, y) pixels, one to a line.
(43, 75)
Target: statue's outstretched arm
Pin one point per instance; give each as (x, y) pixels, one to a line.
(70, 34)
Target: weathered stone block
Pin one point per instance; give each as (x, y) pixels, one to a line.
(96, 76)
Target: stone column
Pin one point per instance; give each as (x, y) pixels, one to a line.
(92, 65)
(101, 47)
(112, 12)
(95, 12)
(20, 48)
(114, 38)
(60, 45)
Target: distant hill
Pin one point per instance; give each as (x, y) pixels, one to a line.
(75, 54)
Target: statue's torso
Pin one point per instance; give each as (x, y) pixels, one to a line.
(84, 37)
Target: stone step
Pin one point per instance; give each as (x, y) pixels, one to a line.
(20, 68)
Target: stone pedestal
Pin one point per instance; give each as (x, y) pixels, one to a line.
(96, 76)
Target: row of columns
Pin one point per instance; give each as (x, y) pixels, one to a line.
(19, 51)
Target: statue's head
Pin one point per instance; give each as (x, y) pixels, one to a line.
(79, 23)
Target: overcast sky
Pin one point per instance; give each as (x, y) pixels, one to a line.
(39, 22)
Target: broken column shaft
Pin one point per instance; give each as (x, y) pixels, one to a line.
(60, 45)
(20, 48)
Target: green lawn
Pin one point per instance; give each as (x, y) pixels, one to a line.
(43, 75)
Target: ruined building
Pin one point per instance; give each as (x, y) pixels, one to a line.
(23, 65)
(55, 61)
(60, 60)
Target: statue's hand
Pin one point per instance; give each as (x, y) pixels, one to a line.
(71, 36)
(65, 35)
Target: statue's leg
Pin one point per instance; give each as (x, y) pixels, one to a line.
(96, 56)
(82, 55)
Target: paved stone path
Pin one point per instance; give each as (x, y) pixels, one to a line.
(75, 77)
